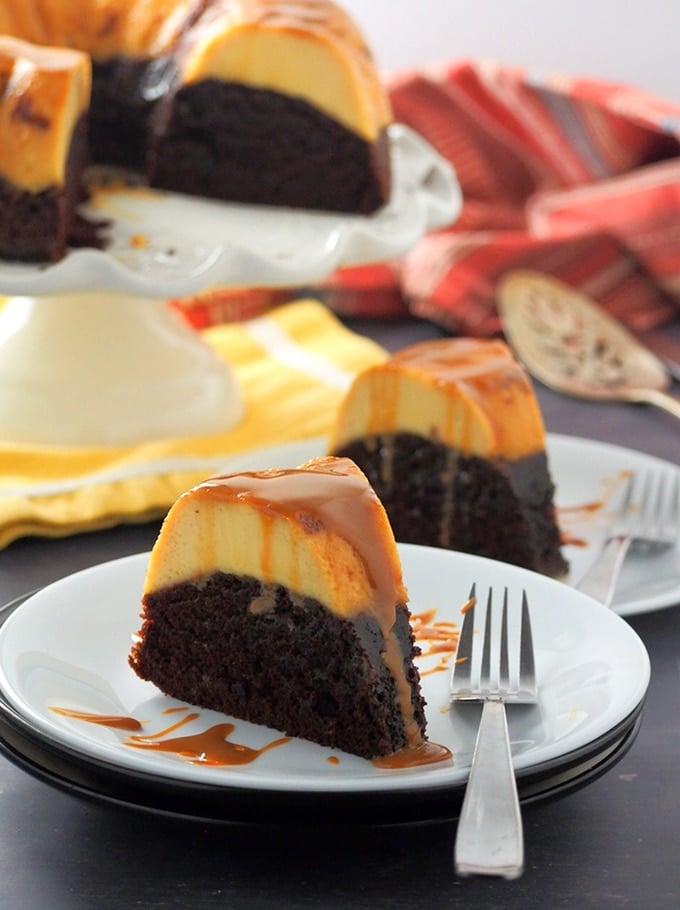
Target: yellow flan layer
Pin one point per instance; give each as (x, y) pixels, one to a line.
(44, 92)
(306, 50)
(318, 530)
(469, 394)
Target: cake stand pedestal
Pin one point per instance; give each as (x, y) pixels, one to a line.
(108, 369)
(117, 366)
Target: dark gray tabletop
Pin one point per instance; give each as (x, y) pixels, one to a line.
(613, 844)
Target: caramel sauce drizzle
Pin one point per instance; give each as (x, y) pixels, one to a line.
(103, 720)
(426, 753)
(440, 638)
(213, 747)
(328, 493)
(484, 372)
(584, 510)
(570, 540)
(209, 747)
(194, 715)
(588, 511)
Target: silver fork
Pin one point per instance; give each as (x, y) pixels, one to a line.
(648, 522)
(489, 839)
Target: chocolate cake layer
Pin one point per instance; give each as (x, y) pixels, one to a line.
(260, 654)
(232, 142)
(124, 95)
(436, 496)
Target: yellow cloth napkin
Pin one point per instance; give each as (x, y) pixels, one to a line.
(294, 365)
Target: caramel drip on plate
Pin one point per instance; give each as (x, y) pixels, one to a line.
(210, 747)
(568, 540)
(103, 720)
(585, 510)
(585, 513)
(214, 748)
(426, 753)
(180, 723)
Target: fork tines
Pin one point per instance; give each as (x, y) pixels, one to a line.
(477, 673)
(657, 521)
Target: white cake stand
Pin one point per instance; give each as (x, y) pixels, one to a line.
(90, 352)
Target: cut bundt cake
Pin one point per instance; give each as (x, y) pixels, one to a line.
(451, 437)
(277, 597)
(43, 147)
(273, 102)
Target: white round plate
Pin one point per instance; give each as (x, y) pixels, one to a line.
(169, 245)
(67, 646)
(586, 473)
(582, 497)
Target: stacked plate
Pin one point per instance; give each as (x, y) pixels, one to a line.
(63, 659)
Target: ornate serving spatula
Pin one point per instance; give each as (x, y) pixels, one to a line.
(573, 346)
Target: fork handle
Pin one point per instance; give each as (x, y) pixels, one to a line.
(489, 839)
(600, 579)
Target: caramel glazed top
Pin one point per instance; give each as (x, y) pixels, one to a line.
(310, 50)
(469, 394)
(318, 530)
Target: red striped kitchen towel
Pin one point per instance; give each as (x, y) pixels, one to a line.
(576, 178)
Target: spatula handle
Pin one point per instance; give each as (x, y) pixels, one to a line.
(660, 399)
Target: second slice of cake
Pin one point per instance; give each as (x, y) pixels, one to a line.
(451, 437)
